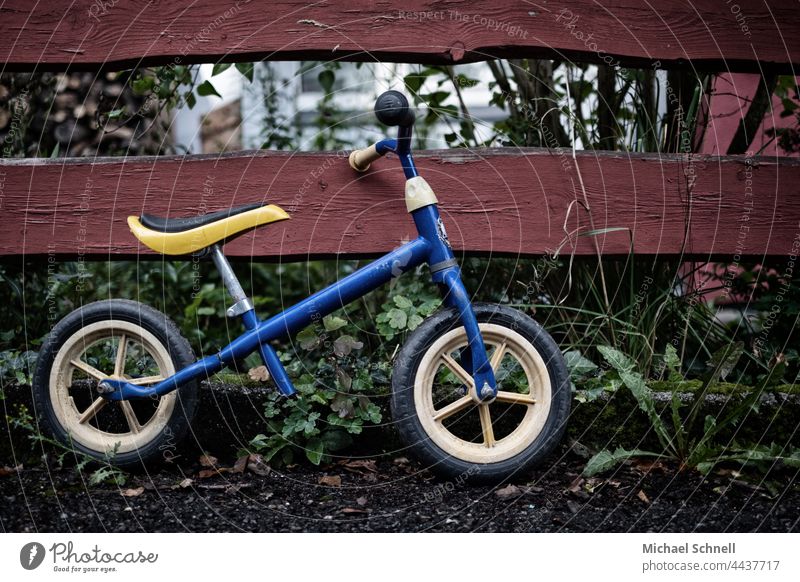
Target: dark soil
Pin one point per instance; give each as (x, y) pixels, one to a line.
(395, 495)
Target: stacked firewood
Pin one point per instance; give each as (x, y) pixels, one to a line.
(78, 114)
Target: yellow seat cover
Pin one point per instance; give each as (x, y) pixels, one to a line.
(196, 239)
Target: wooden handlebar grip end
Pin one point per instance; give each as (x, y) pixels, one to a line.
(356, 163)
(360, 160)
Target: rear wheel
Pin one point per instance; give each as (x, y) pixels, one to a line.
(460, 437)
(115, 339)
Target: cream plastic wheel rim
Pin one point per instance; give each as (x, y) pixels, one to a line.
(75, 422)
(432, 416)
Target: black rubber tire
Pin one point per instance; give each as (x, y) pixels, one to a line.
(404, 413)
(165, 331)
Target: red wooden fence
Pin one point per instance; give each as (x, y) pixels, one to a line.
(709, 33)
(494, 201)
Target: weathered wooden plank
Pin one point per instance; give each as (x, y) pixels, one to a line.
(499, 201)
(93, 33)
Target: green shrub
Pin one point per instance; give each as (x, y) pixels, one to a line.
(684, 438)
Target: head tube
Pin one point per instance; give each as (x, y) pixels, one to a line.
(404, 151)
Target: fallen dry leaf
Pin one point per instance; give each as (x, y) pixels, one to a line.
(508, 492)
(186, 483)
(226, 487)
(208, 461)
(206, 473)
(241, 464)
(331, 480)
(647, 466)
(259, 374)
(575, 486)
(354, 510)
(6, 471)
(358, 464)
(132, 492)
(257, 465)
(643, 496)
(362, 501)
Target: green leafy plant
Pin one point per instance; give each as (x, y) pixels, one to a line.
(103, 471)
(335, 384)
(404, 313)
(17, 366)
(681, 438)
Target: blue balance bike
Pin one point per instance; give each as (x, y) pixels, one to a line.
(479, 391)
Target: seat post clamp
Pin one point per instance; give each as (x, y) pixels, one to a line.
(240, 307)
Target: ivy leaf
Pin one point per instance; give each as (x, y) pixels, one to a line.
(343, 379)
(403, 302)
(308, 339)
(346, 344)
(343, 406)
(332, 323)
(398, 318)
(246, 69)
(314, 450)
(370, 411)
(206, 89)
(219, 68)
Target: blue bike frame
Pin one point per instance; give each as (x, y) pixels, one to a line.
(431, 247)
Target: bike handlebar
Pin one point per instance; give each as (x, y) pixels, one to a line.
(391, 108)
(360, 160)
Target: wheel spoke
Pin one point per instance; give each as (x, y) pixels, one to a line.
(456, 369)
(486, 425)
(497, 356)
(87, 369)
(452, 408)
(514, 398)
(127, 410)
(92, 410)
(119, 366)
(144, 380)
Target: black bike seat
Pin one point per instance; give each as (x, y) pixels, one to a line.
(164, 224)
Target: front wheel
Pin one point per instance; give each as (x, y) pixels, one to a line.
(117, 339)
(486, 442)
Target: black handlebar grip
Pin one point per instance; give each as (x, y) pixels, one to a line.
(391, 108)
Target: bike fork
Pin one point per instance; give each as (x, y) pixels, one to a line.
(475, 360)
